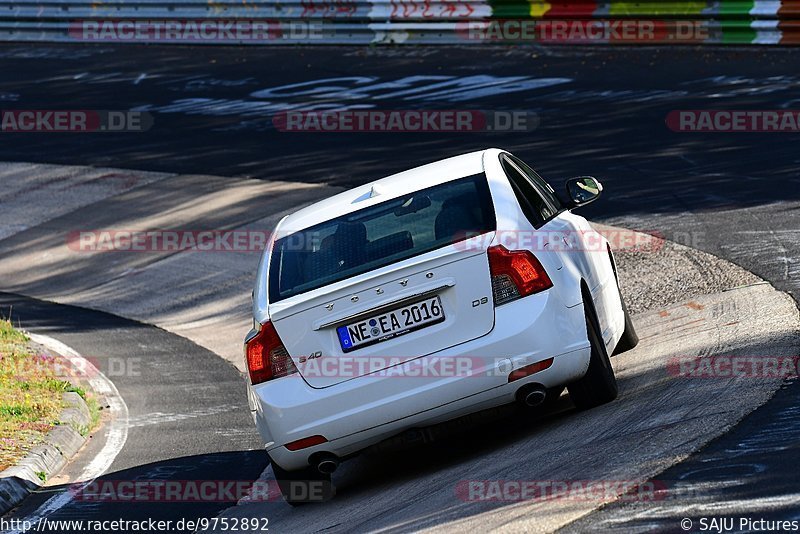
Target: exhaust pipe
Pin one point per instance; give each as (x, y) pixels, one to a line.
(326, 463)
(531, 395)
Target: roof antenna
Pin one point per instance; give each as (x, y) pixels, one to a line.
(373, 192)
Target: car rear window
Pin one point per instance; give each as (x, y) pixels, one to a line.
(380, 235)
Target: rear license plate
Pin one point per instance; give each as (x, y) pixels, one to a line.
(391, 324)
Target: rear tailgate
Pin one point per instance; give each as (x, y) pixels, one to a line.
(388, 316)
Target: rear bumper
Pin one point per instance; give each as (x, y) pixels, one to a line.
(363, 411)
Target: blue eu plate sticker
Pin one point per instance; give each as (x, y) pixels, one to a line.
(344, 337)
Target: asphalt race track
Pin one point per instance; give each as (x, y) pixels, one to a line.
(600, 112)
(184, 431)
(161, 445)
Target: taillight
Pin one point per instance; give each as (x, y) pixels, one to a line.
(515, 274)
(267, 358)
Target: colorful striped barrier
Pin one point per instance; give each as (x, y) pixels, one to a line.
(764, 22)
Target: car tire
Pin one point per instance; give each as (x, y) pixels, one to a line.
(303, 486)
(599, 385)
(629, 337)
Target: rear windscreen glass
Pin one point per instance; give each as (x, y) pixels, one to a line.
(380, 235)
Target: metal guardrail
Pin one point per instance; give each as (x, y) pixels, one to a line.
(402, 21)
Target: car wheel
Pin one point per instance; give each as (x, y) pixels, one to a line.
(303, 486)
(599, 385)
(629, 337)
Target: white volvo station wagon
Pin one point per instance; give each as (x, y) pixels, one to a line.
(434, 293)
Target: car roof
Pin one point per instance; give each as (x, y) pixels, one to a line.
(393, 186)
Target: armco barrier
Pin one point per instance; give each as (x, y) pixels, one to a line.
(402, 21)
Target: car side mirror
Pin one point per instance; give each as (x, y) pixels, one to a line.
(583, 190)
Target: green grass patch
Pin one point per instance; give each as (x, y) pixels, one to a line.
(30, 395)
(94, 413)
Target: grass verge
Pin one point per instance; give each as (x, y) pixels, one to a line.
(31, 389)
